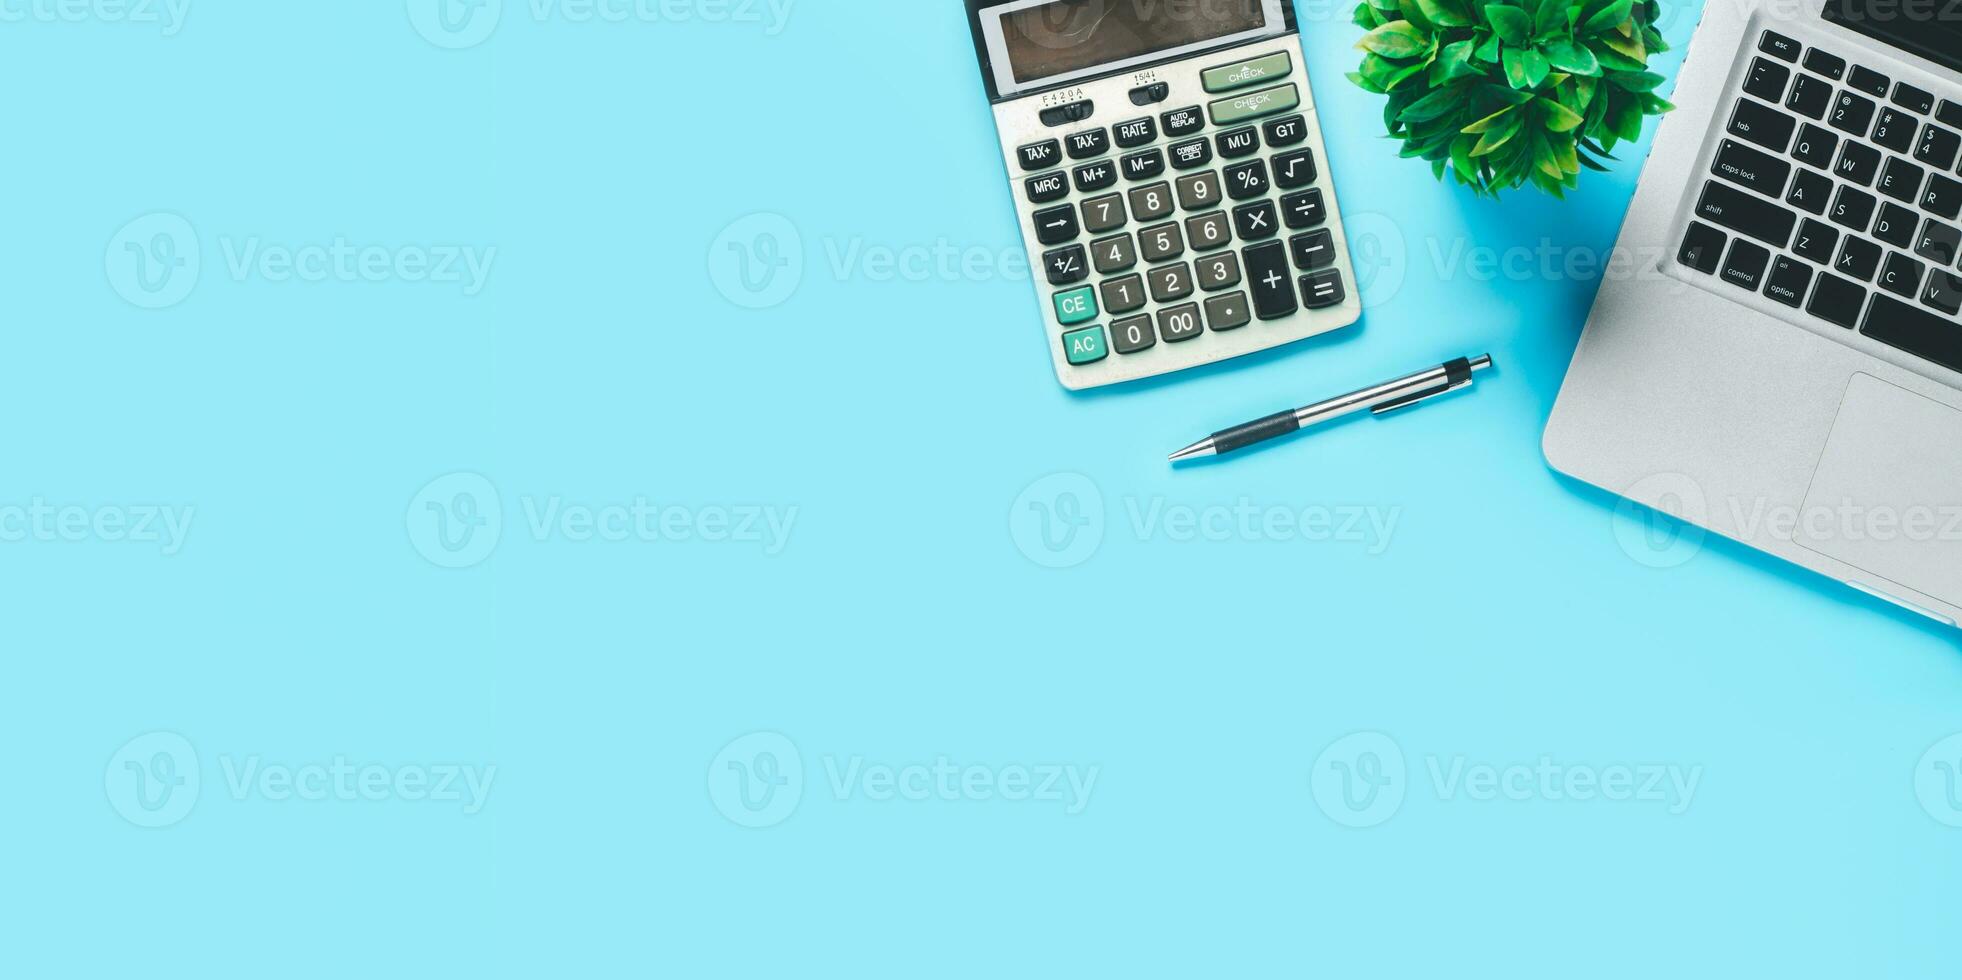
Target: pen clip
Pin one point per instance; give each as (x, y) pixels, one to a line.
(1420, 397)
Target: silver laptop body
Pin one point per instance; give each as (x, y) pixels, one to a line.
(1765, 369)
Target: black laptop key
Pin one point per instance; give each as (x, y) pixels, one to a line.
(1767, 80)
(1810, 192)
(1901, 275)
(1816, 242)
(1854, 208)
(1858, 163)
(1830, 65)
(1943, 197)
(1271, 280)
(1744, 265)
(1810, 97)
(1788, 281)
(1852, 114)
(1741, 212)
(1703, 248)
(1944, 292)
(1896, 226)
(1779, 46)
(1869, 81)
(1896, 130)
(1915, 330)
(1900, 180)
(1858, 258)
(1939, 243)
(1746, 167)
(1837, 301)
(1914, 99)
(1949, 113)
(1937, 147)
(1763, 125)
(1815, 146)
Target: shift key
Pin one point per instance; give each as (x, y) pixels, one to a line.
(1745, 214)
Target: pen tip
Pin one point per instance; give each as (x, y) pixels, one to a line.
(1197, 449)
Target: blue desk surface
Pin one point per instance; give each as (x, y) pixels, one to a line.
(758, 659)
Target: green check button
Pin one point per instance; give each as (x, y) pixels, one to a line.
(1229, 77)
(1086, 346)
(1253, 105)
(1076, 306)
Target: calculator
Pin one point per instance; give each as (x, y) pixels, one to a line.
(1169, 177)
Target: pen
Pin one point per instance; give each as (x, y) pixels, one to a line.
(1381, 399)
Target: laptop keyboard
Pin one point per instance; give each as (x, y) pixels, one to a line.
(1835, 192)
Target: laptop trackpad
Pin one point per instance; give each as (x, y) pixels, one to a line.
(1888, 494)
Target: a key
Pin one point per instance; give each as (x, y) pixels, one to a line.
(1837, 301)
(1896, 130)
(1209, 231)
(1816, 242)
(1172, 282)
(1788, 281)
(1810, 192)
(1741, 212)
(1914, 99)
(1103, 214)
(1143, 165)
(1303, 210)
(1943, 197)
(1745, 263)
(1136, 133)
(1089, 145)
(1312, 251)
(1247, 180)
(1767, 79)
(1095, 176)
(1854, 208)
(1810, 97)
(1914, 330)
(1114, 254)
(1180, 323)
(1217, 272)
(1191, 154)
(1044, 188)
(1066, 265)
(1896, 225)
(1132, 335)
(1858, 258)
(1270, 280)
(1902, 275)
(1858, 163)
(1161, 242)
(1057, 225)
(1321, 290)
(1285, 131)
(1228, 312)
(1200, 191)
(1296, 170)
(1763, 125)
(1703, 248)
(1852, 114)
(1152, 202)
(1239, 143)
(1039, 156)
(1752, 168)
(1779, 46)
(1256, 221)
(1815, 146)
(1869, 81)
(1900, 180)
(1944, 292)
(1184, 122)
(1123, 295)
(1938, 147)
(1830, 65)
(1939, 243)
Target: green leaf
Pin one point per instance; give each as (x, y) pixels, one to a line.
(1488, 123)
(1510, 22)
(1446, 13)
(1567, 54)
(1552, 18)
(1630, 48)
(1559, 118)
(1488, 50)
(1608, 18)
(1536, 67)
(1438, 103)
(1635, 81)
(1494, 140)
(1612, 59)
(1457, 62)
(1365, 84)
(1397, 39)
(1516, 74)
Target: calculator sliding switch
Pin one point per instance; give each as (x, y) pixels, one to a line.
(1271, 280)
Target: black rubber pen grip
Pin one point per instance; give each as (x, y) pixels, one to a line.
(1253, 433)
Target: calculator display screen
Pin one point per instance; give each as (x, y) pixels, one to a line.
(1064, 36)
(1930, 28)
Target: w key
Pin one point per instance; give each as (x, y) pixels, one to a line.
(1751, 168)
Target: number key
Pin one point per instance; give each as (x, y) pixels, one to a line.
(1173, 282)
(1151, 203)
(1103, 213)
(1161, 242)
(1896, 130)
(1199, 191)
(1208, 231)
(1852, 114)
(1810, 97)
(1938, 147)
(1114, 254)
(1217, 272)
(1179, 323)
(1123, 295)
(1133, 335)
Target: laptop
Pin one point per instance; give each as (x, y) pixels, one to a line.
(1785, 367)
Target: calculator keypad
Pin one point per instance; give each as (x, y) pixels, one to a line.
(1209, 218)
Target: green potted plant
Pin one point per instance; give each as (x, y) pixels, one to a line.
(1514, 91)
